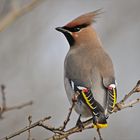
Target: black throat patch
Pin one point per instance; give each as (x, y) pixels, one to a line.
(69, 38)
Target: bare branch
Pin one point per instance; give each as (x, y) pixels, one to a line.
(68, 117)
(19, 106)
(29, 131)
(3, 97)
(4, 108)
(73, 130)
(119, 106)
(94, 138)
(17, 12)
(99, 134)
(134, 90)
(60, 133)
(122, 105)
(25, 129)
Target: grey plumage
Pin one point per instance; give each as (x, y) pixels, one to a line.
(87, 65)
(92, 69)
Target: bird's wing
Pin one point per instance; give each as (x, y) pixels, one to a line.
(85, 94)
(112, 99)
(106, 69)
(110, 86)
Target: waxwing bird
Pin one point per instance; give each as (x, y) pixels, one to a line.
(88, 70)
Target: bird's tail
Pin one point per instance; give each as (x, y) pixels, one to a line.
(100, 122)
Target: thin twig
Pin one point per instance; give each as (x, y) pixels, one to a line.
(19, 106)
(25, 129)
(122, 105)
(5, 108)
(99, 134)
(131, 103)
(3, 97)
(17, 12)
(60, 134)
(94, 138)
(68, 116)
(29, 131)
(70, 131)
(134, 90)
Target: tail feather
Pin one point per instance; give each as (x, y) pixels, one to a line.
(100, 122)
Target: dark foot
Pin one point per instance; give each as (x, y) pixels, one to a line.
(94, 122)
(79, 123)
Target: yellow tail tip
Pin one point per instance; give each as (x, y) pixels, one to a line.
(98, 125)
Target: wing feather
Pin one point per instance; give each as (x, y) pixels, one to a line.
(112, 99)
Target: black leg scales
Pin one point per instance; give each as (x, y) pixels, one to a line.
(79, 123)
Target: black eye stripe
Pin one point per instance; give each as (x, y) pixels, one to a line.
(76, 28)
(82, 26)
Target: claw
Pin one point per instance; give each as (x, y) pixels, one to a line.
(79, 123)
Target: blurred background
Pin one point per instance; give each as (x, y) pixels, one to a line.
(32, 54)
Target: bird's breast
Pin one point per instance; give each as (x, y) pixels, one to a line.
(82, 69)
(78, 66)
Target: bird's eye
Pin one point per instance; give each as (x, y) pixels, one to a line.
(76, 29)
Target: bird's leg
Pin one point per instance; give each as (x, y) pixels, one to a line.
(79, 123)
(75, 96)
(94, 121)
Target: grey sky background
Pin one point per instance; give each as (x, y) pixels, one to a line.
(31, 64)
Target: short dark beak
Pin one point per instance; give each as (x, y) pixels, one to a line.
(61, 29)
(67, 34)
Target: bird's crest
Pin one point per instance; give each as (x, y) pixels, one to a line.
(85, 19)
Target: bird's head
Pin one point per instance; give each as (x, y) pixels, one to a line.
(80, 30)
